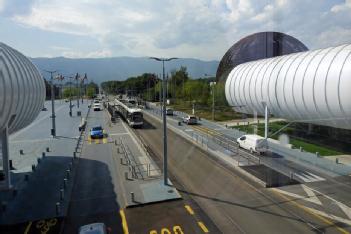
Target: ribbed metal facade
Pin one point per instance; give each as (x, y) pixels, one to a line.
(22, 90)
(312, 87)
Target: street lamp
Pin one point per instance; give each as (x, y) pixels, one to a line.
(165, 172)
(266, 119)
(212, 84)
(53, 116)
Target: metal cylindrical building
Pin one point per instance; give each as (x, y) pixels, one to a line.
(312, 87)
(22, 90)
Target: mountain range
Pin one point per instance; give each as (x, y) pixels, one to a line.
(121, 68)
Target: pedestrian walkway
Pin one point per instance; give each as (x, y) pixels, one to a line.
(140, 176)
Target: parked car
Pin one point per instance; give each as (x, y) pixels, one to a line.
(97, 132)
(190, 119)
(253, 143)
(94, 228)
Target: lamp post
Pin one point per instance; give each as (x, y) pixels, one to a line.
(165, 170)
(53, 116)
(78, 90)
(266, 119)
(212, 84)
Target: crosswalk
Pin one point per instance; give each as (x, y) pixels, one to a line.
(97, 141)
(308, 177)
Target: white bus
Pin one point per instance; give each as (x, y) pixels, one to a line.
(133, 116)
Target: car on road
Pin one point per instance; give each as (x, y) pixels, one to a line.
(94, 228)
(97, 132)
(253, 143)
(97, 107)
(190, 119)
(44, 109)
(169, 111)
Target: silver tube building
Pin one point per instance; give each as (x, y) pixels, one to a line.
(311, 87)
(22, 96)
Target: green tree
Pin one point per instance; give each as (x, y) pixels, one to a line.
(70, 92)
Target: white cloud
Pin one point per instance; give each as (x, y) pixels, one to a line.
(198, 28)
(2, 5)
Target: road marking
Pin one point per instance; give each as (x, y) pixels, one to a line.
(97, 141)
(28, 228)
(104, 141)
(308, 177)
(313, 213)
(188, 208)
(311, 196)
(124, 222)
(203, 227)
(189, 130)
(119, 134)
(343, 207)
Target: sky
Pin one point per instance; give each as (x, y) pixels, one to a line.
(200, 29)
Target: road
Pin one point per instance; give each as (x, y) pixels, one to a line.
(234, 204)
(94, 196)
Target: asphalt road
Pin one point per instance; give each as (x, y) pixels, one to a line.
(234, 204)
(94, 195)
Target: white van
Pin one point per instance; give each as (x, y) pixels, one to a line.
(253, 143)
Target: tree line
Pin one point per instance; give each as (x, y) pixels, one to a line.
(180, 88)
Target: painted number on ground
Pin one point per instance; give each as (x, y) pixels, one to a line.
(174, 230)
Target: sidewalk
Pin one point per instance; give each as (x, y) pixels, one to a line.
(140, 177)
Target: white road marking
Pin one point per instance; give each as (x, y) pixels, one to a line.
(343, 207)
(308, 177)
(312, 198)
(188, 130)
(118, 134)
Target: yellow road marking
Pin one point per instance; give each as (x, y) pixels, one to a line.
(203, 227)
(28, 228)
(188, 208)
(124, 222)
(311, 212)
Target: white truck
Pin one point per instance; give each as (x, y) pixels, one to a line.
(253, 143)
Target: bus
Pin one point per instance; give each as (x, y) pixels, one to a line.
(133, 116)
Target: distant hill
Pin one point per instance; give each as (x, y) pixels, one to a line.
(120, 68)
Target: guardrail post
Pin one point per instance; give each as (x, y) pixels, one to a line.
(62, 194)
(57, 208)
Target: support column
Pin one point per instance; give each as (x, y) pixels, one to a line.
(266, 120)
(4, 146)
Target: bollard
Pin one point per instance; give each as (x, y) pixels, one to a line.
(126, 175)
(21, 152)
(3, 206)
(33, 167)
(43, 154)
(122, 161)
(74, 154)
(67, 173)
(337, 160)
(291, 175)
(132, 196)
(317, 154)
(62, 194)
(57, 208)
(26, 177)
(47, 149)
(301, 149)
(115, 142)
(11, 165)
(148, 169)
(64, 183)
(38, 160)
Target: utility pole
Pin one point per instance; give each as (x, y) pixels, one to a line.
(53, 116)
(77, 78)
(165, 160)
